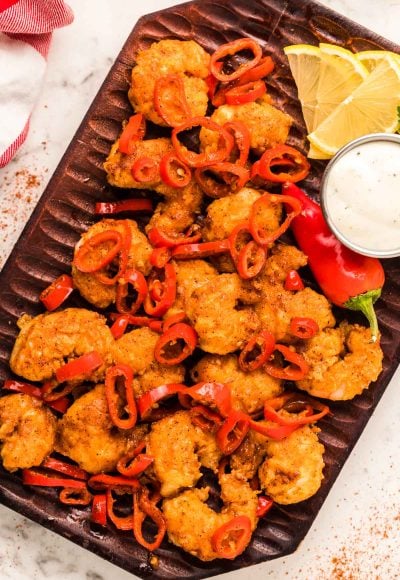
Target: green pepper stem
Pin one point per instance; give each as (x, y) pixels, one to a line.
(365, 304)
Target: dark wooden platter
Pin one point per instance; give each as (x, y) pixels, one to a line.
(66, 209)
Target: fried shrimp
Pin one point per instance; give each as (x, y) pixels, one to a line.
(292, 470)
(27, 431)
(184, 58)
(191, 524)
(46, 342)
(249, 390)
(90, 287)
(87, 435)
(343, 362)
(179, 449)
(217, 313)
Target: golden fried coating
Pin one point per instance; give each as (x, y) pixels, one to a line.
(102, 295)
(222, 323)
(46, 342)
(27, 431)
(179, 449)
(249, 390)
(184, 58)
(268, 125)
(343, 362)
(87, 435)
(245, 461)
(292, 471)
(136, 349)
(191, 523)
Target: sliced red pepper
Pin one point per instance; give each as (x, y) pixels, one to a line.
(123, 258)
(303, 327)
(160, 256)
(233, 431)
(58, 291)
(231, 539)
(264, 504)
(193, 159)
(256, 224)
(173, 171)
(257, 351)
(102, 482)
(245, 93)
(206, 419)
(273, 405)
(242, 138)
(229, 49)
(135, 279)
(276, 433)
(60, 405)
(212, 82)
(170, 100)
(120, 325)
(173, 319)
(261, 70)
(81, 261)
(63, 467)
(123, 320)
(145, 170)
(82, 366)
(118, 403)
(233, 175)
(169, 349)
(251, 260)
(112, 207)
(99, 509)
(238, 239)
(144, 507)
(168, 294)
(295, 371)
(73, 496)
(218, 395)
(293, 281)
(33, 477)
(120, 522)
(133, 131)
(131, 466)
(147, 401)
(276, 156)
(159, 239)
(192, 251)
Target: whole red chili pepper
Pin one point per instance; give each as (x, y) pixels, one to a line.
(348, 279)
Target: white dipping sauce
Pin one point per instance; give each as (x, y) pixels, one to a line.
(362, 196)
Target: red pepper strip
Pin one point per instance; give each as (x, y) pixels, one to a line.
(169, 349)
(138, 282)
(303, 327)
(277, 433)
(103, 481)
(173, 172)
(206, 419)
(251, 260)
(73, 496)
(123, 258)
(160, 256)
(117, 403)
(147, 401)
(53, 391)
(120, 325)
(168, 295)
(87, 266)
(271, 414)
(173, 319)
(242, 139)
(123, 465)
(233, 431)
(278, 155)
(264, 237)
(295, 371)
(246, 93)
(32, 477)
(131, 468)
(229, 49)
(293, 281)
(264, 504)
(214, 188)
(159, 239)
(225, 144)
(60, 405)
(144, 507)
(238, 239)
(346, 278)
(231, 539)
(170, 100)
(99, 509)
(257, 351)
(264, 68)
(108, 207)
(133, 131)
(121, 523)
(58, 291)
(123, 320)
(212, 82)
(145, 170)
(63, 467)
(191, 251)
(83, 365)
(217, 395)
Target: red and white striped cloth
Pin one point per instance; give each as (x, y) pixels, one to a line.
(26, 28)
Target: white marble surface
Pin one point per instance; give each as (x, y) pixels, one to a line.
(357, 532)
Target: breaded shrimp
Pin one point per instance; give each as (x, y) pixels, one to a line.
(27, 431)
(343, 362)
(179, 449)
(268, 126)
(184, 58)
(222, 323)
(191, 523)
(87, 435)
(292, 470)
(46, 342)
(136, 349)
(93, 290)
(249, 390)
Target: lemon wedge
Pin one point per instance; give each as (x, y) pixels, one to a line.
(372, 58)
(371, 108)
